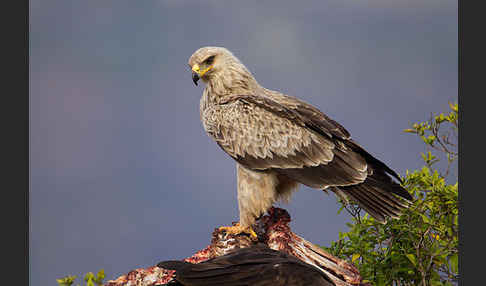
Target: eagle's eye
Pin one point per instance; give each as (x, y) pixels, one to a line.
(209, 60)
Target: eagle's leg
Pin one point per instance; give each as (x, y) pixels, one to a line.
(256, 194)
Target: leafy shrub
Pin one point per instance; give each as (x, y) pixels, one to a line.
(89, 278)
(421, 247)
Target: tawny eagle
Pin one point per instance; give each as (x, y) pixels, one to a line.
(280, 142)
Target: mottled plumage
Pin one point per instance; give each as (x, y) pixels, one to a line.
(279, 142)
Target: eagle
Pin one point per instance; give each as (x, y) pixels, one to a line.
(257, 265)
(280, 142)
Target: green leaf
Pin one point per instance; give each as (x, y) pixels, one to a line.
(341, 208)
(66, 281)
(412, 259)
(89, 277)
(355, 256)
(424, 218)
(454, 263)
(99, 277)
(453, 106)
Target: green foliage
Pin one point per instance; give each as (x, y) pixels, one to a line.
(89, 278)
(66, 281)
(442, 142)
(421, 247)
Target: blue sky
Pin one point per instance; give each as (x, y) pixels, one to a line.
(122, 174)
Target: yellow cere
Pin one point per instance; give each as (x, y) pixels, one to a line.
(197, 70)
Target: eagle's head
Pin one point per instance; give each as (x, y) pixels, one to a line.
(217, 64)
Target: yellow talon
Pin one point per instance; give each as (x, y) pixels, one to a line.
(237, 229)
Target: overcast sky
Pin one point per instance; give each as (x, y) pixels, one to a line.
(122, 174)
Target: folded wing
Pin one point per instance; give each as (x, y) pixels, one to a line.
(295, 139)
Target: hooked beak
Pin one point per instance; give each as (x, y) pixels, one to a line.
(195, 77)
(197, 73)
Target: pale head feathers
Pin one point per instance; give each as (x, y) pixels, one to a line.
(222, 71)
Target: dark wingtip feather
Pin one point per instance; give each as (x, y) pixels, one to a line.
(373, 161)
(176, 265)
(402, 192)
(382, 182)
(379, 196)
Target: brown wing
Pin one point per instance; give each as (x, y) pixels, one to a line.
(263, 134)
(322, 124)
(293, 138)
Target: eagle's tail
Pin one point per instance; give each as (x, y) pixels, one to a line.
(380, 199)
